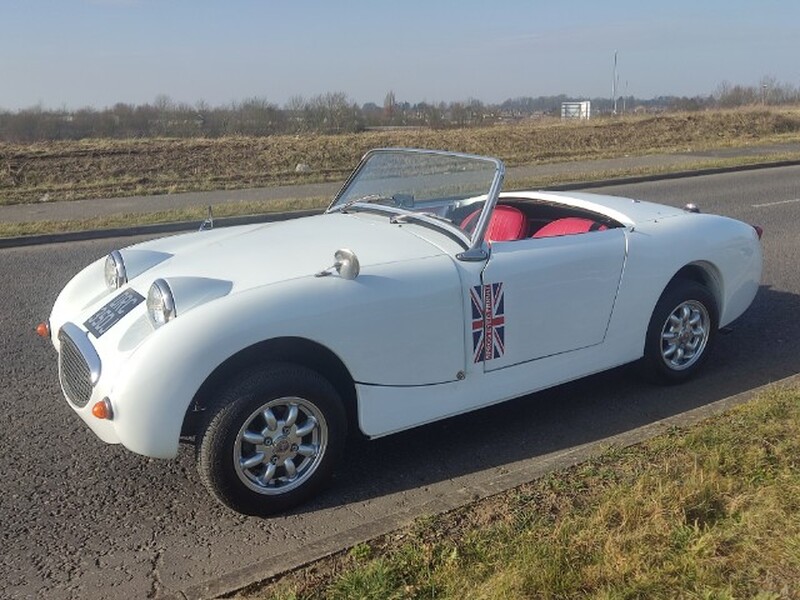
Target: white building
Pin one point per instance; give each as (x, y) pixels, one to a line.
(576, 110)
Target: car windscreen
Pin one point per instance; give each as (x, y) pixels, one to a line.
(445, 185)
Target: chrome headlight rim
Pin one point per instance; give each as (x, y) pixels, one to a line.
(116, 275)
(160, 303)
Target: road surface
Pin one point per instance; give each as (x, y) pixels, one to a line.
(79, 519)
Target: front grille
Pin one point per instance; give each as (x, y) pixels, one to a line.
(74, 371)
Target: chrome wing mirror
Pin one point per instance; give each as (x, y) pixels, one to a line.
(346, 265)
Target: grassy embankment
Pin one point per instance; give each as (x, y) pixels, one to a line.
(712, 511)
(58, 171)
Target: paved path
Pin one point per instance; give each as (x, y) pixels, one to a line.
(84, 209)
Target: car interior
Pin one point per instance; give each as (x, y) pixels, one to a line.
(517, 219)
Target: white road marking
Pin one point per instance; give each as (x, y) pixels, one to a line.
(775, 203)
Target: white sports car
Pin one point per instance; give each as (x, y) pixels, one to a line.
(422, 292)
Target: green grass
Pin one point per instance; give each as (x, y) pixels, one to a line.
(708, 512)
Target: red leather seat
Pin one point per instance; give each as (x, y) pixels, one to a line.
(568, 226)
(507, 223)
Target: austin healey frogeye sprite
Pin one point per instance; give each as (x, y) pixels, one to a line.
(422, 292)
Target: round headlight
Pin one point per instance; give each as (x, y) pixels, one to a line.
(160, 303)
(115, 273)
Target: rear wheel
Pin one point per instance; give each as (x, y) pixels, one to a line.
(681, 332)
(272, 439)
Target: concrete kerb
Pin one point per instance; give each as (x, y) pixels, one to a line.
(76, 236)
(514, 476)
(180, 226)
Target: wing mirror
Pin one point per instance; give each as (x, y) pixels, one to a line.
(346, 265)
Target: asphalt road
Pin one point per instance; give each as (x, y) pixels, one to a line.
(85, 520)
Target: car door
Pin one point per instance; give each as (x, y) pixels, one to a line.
(547, 296)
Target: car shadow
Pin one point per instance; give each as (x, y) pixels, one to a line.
(761, 347)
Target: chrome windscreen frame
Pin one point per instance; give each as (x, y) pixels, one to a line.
(476, 248)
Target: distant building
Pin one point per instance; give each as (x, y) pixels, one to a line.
(576, 110)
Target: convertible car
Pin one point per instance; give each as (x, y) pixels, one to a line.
(421, 292)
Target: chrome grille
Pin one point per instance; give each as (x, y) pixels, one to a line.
(74, 371)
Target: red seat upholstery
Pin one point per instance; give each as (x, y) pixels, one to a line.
(568, 226)
(507, 223)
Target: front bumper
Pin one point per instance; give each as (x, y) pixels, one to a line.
(79, 370)
(148, 400)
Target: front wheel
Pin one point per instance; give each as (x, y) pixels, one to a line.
(272, 439)
(681, 332)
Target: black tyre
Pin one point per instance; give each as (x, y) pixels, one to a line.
(681, 332)
(272, 439)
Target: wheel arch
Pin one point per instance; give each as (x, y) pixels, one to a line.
(707, 275)
(295, 350)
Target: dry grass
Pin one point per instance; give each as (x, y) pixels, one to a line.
(711, 512)
(57, 171)
(523, 183)
(242, 208)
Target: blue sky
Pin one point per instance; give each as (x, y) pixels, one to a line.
(77, 53)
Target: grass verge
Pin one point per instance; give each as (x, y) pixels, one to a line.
(520, 183)
(193, 214)
(712, 511)
(231, 209)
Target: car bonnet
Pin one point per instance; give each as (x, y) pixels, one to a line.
(249, 256)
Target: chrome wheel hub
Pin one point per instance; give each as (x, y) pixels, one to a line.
(685, 335)
(280, 445)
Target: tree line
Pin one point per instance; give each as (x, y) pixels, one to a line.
(336, 113)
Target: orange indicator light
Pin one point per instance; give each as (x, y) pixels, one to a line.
(43, 329)
(102, 409)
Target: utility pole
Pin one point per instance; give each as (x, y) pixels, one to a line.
(625, 98)
(614, 81)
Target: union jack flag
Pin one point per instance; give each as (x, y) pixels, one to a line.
(488, 322)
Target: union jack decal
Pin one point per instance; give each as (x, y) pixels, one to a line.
(488, 322)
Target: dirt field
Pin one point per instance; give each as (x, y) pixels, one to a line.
(55, 171)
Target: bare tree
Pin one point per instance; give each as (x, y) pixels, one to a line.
(389, 103)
